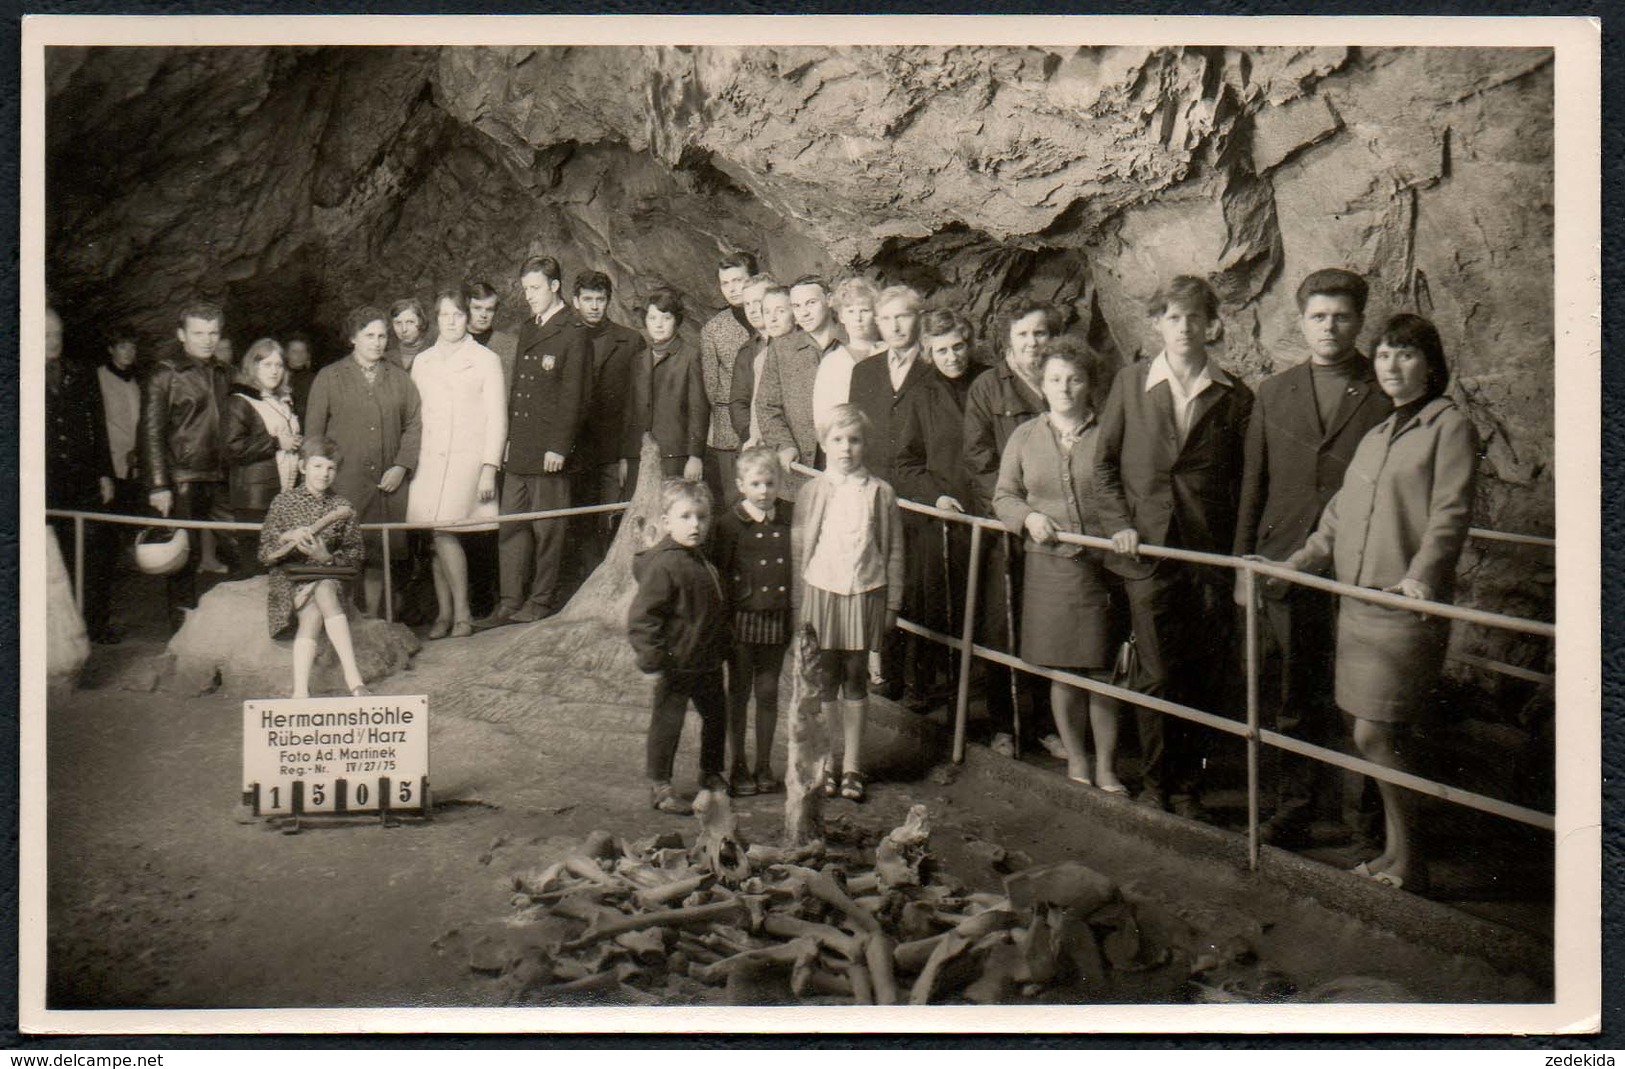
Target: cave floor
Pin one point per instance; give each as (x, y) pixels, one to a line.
(158, 898)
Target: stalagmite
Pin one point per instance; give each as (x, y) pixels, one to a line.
(809, 747)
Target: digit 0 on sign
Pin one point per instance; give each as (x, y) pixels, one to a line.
(361, 794)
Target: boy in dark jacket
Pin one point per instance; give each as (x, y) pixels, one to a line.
(678, 627)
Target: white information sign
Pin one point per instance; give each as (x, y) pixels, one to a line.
(336, 755)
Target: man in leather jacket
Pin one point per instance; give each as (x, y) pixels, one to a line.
(182, 464)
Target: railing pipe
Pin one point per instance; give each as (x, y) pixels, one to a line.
(389, 581)
(1250, 591)
(968, 638)
(79, 564)
(1010, 637)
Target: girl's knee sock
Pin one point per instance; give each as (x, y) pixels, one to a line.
(338, 633)
(832, 721)
(304, 655)
(853, 713)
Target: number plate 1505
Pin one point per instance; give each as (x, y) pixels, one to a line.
(336, 755)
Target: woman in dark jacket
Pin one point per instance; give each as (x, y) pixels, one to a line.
(260, 437)
(930, 468)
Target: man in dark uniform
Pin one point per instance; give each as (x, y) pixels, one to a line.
(1305, 425)
(602, 478)
(78, 471)
(546, 404)
(181, 459)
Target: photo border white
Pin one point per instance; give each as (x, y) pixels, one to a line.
(1577, 465)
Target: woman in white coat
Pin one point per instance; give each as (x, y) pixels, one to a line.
(465, 426)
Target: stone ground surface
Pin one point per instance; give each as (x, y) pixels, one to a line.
(157, 898)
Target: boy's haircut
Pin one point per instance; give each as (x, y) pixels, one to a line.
(665, 300)
(359, 318)
(907, 294)
(673, 490)
(480, 290)
(1188, 290)
(409, 303)
(119, 335)
(737, 259)
(205, 310)
(249, 363)
(776, 290)
(1409, 331)
(1334, 282)
(758, 456)
(940, 322)
(316, 445)
(855, 289)
(761, 280)
(298, 337)
(596, 281)
(811, 280)
(456, 295)
(1013, 313)
(546, 265)
(847, 415)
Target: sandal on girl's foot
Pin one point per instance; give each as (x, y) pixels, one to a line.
(742, 784)
(440, 629)
(462, 629)
(1053, 745)
(1082, 779)
(663, 798)
(852, 787)
(832, 785)
(766, 783)
(1003, 744)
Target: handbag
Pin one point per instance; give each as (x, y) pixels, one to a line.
(309, 571)
(1126, 669)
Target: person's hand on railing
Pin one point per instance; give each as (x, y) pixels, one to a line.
(1127, 542)
(1411, 588)
(552, 462)
(1041, 528)
(949, 504)
(392, 479)
(1240, 595)
(1267, 584)
(488, 482)
(891, 619)
(788, 456)
(105, 485)
(621, 470)
(162, 500)
(694, 469)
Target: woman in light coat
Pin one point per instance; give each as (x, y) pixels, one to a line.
(1398, 525)
(465, 426)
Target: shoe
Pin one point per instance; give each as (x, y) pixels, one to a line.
(917, 702)
(498, 618)
(832, 785)
(1364, 869)
(213, 567)
(1151, 798)
(360, 691)
(741, 784)
(1055, 746)
(853, 788)
(1116, 788)
(766, 782)
(1083, 780)
(440, 629)
(527, 615)
(1288, 833)
(663, 798)
(1184, 805)
(1004, 745)
(462, 629)
(713, 781)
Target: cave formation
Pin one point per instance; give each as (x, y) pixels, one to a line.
(290, 184)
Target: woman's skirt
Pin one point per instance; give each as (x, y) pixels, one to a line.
(1388, 660)
(1066, 613)
(846, 621)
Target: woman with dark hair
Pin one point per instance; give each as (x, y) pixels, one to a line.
(1047, 487)
(465, 426)
(369, 407)
(1398, 525)
(260, 433)
(996, 404)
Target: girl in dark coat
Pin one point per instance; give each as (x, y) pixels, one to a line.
(260, 436)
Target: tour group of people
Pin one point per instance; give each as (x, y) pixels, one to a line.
(1343, 464)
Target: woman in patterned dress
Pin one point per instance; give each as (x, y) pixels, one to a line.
(290, 535)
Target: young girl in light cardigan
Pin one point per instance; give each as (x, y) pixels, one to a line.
(849, 538)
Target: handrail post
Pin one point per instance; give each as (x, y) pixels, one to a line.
(79, 565)
(389, 584)
(1010, 637)
(1249, 586)
(968, 637)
